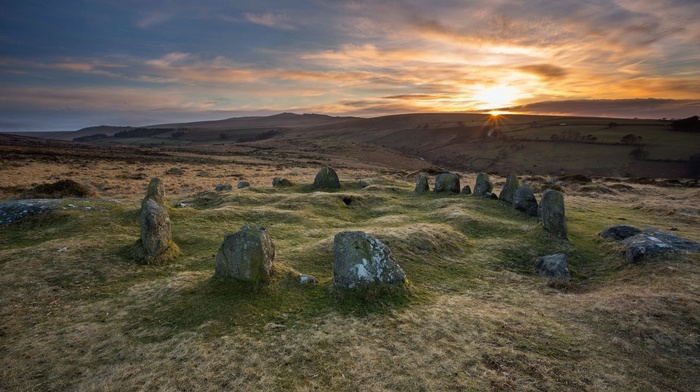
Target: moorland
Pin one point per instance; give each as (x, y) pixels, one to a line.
(79, 314)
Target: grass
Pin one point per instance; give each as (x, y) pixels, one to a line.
(78, 314)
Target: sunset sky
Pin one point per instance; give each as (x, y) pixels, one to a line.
(70, 64)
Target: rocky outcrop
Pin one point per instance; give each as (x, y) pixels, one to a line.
(422, 184)
(246, 255)
(483, 185)
(524, 200)
(508, 192)
(327, 178)
(553, 266)
(447, 182)
(643, 245)
(362, 260)
(552, 213)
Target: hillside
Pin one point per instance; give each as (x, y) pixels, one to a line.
(478, 142)
(78, 313)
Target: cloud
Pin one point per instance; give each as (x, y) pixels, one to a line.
(277, 21)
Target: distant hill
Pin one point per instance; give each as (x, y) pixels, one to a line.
(282, 120)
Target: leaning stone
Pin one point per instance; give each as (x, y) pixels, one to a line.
(447, 182)
(619, 232)
(467, 190)
(422, 184)
(553, 266)
(327, 178)
(223, 187)
(278, 182)
(524, 200)
(362, 260)
(509, 189)
(552, 213)
(483, 184)
(243, 184)
(246, 255)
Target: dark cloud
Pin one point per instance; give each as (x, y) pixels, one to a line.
(547, 71)
(624, 108)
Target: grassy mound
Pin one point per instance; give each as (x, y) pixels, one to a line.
(59, 190)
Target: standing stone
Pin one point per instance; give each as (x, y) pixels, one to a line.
(447, 182)
(552, 213)
(156, 244)
(243, 184)
(422, 184)
(509, 189)
(467, 190)
(246, 255)
(483, 185)
(524, 200)
(553, 266)
(362, 260)
(327, 178)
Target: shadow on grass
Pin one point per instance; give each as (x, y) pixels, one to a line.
(221, 306)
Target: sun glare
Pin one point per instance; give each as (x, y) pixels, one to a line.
(496, 96)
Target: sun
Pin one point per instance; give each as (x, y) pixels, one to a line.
(494, 97)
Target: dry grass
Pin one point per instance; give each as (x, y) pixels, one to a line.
(77, 314)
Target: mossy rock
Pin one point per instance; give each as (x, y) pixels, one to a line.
(327, 178)
(246, 255)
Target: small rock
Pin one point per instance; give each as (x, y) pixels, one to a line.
(467, 190)
(61, 250)
(363, 184)
(490, 195)
(653, 242)
(305, 279)
(223, 187)
(553, 266)
(182, 205)
(243, 184)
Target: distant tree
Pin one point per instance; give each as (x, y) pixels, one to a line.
(631, 139)
(690, 124)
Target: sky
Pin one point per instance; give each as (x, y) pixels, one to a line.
(77, 63)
